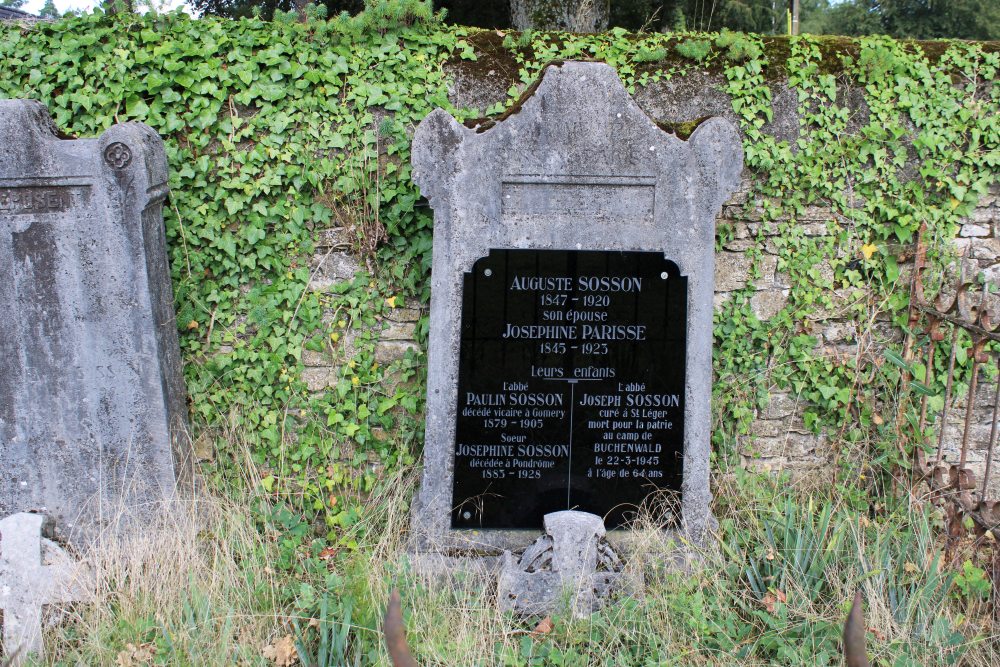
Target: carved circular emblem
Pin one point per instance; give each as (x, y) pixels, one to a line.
(118, 155)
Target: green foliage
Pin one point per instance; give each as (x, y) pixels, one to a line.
(737, 46)
(776, 594)
(860, 174)
(913, 19)
(760, 16)
(798, 551)
(49, 10)
(197, 587)
(972, 582)
(822, 17)
(275, 131)
(649, 55)
(382, 16)
(695, 49)
(794, 557)
(311, 12)
(332, 636)
(272, 131)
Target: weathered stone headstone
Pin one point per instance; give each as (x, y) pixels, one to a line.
(34, 572)
(571, 313)
(92, 403)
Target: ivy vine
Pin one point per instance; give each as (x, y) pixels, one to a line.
(277, 131)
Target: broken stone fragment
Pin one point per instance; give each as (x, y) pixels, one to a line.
(34, 572)
(571, 567)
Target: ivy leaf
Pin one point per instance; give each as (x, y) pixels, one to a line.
(254, 234)
(136, 107)
(891, 269)
(827, 391)
(227, 243)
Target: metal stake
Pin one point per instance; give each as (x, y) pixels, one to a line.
(947, 396)
(993, 433)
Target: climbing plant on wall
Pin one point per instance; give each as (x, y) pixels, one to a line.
(276, 131)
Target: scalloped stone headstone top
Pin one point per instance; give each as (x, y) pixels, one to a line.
(576, 165)
(92, 401)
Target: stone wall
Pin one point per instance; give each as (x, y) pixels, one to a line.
(334, 262)
(779, 438)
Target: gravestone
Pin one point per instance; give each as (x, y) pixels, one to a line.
(571, 314)
(34, 572)
(92, 402)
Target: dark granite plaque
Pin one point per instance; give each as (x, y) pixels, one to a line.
(571, 386)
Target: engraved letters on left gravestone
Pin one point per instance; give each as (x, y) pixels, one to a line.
(92, 402)
(571, 312)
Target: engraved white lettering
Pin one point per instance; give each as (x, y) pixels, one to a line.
(613, 332)
(609, 283)
(538, 283)
(544, 400)
(484, 450)
(543, 450)
(653, 400)
(600, 400)
(485, 399)
(540, 331)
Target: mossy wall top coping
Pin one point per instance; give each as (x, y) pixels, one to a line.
(497, 59)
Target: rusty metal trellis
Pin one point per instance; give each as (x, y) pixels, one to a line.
(953, 483)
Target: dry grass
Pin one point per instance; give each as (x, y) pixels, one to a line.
(197, 588)
(682, 616)
(192, 586)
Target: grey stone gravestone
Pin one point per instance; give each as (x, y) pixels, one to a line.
(92, 401)
(34, 572)
(577, 209)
